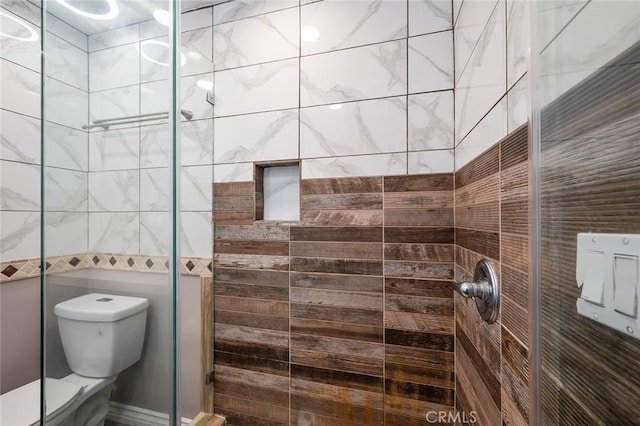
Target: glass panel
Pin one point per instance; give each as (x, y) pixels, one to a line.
(109, 211)
(588, 94)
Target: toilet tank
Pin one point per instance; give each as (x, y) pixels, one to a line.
(102, 334)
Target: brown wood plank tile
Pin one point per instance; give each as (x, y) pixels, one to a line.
(252, 392)
(424, 358)
(336, 393)
(337, 266)
(419, 305)
(341, 217)
(485, 338)
(251, 291)
(483, 191)
(432, 270)
(341, 185)
(483, 217)
(484, 165)
(249, 276)
(514, 148)
(408, 408)
(331, 249)
(427, 393)
(371, 201)
(332, 313)
(418, 217)
(233, 218)
(418, 200)
(373, 352)
(477, 364)
(515, 217)
(252, 320)
(337, 362)
(368, 415)
(254, 410)
(515, 250)
(484, 243)
(424, 182)
(416, 287)
(256, 350)
(251, 232)
(256, 306)
(249, 261)
(328, 233)
(252, 363)
(419, 252)
(251, 335)
(432, 341)
(366, 333)
(336, 298)
(337, 378)
(240, 204)
(423, 235)
(419, 375)
(272, 248)
(472, 393)
(367, 284)
(232, 189)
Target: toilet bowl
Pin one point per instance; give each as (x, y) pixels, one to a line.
(72, 400)
(102, 334)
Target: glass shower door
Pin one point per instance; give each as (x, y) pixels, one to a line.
(109, 217)
(588, 97)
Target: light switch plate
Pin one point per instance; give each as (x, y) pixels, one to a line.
(607, 269)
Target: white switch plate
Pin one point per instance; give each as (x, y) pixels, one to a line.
(601, 287)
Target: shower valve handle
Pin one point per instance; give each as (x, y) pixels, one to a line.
(481, 289)
(484, 290)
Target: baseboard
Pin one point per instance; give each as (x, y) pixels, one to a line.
(136, 416)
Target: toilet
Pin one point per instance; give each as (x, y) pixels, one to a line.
(102, 335)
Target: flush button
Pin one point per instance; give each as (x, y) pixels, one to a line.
(625, 276)
(593, 279)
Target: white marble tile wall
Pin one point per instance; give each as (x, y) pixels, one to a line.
(66, 144)
(19, 235)
(19, 138)
(429, 16)
(117, 232)
(375, 79)
(491, 55)
(373, 71)
(431, 62)
(258, 39)
(599, 32)
(256, 137)
(354, 128)
(339, 25)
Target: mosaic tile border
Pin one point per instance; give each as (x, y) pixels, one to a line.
(21, 269)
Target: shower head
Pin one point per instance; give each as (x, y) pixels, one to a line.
(186, 114)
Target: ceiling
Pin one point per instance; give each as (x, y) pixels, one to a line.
(130, 12)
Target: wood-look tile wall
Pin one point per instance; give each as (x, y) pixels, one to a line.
(491, 221)
(343, 319)
(589, 182)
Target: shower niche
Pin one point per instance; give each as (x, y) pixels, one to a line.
(277, 191)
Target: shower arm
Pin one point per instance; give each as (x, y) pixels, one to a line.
(105, 123)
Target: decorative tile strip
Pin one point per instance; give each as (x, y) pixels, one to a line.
(14, 270)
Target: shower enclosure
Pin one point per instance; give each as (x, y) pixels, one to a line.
(113, 115)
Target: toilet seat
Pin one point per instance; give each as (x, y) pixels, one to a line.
(21, 406)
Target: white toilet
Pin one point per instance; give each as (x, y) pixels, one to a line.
(102, 334)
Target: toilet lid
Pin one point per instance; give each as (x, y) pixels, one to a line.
(21, 406)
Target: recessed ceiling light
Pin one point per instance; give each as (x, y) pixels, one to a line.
(112, 13)
(335, 106)
(33, 35)
(162, 16)
(183, 59)
(309, 33)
